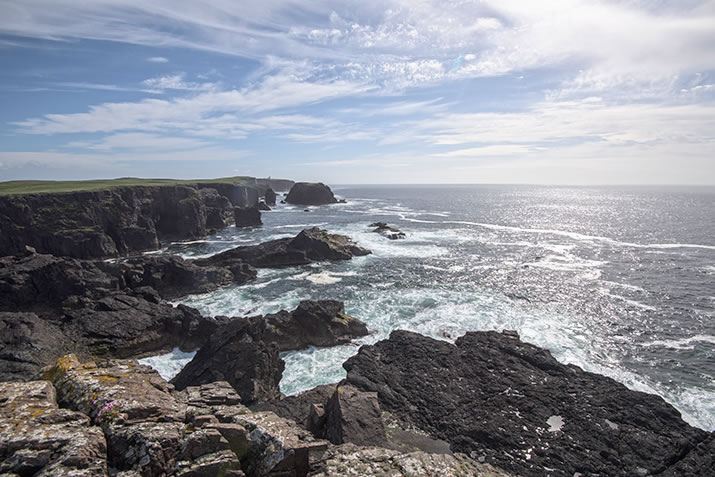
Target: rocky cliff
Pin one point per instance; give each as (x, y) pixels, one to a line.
(118, 221)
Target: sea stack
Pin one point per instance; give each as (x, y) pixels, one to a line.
(310, 193)
(247, 216)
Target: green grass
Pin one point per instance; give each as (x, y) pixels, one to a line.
(48, 187)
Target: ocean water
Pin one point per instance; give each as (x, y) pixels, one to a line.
(617, 280)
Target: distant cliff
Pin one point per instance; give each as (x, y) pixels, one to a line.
(120, 220)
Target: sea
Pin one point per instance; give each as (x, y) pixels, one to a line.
(617, 280)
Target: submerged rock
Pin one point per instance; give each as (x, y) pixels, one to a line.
(388, 232)
(310, 193)
(491, 394)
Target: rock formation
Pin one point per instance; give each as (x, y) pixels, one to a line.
(310, 193)
(310, 245)
(245, 351)
(491, 395)
(247, 216)
(117, 221)
(270, 197)
(388, 232)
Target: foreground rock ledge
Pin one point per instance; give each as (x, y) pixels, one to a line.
(157, 431)
(492, 395)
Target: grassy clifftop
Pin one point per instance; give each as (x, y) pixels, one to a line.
(44, 187)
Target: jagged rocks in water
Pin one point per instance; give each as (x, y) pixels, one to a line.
(491, 394)
(39, 438)
(236, 355)
(245, 351)
(354, 416)
(386, 231)
(263, 206)
(311, 244)
(310, 193)
(247, 216)
(313, 323)
(270, 197)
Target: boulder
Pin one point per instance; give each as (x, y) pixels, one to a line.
(247, 216)
(299, 407)
(354, 416)
(270, 197)
(263, 206)
(39, 438)
(513, 403)
(386, 231)
(310, 193)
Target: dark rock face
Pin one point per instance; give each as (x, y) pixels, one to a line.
(354, 416)
(270, 197)
(116, 221)
(263, 206)
(245, 351)
(512, 402)
(28, 343)
(388, 232)
(312, 244)
(247, 216)
(313, 323)
(236, 355)
(310, 193)
(39, 438)
(298, 407)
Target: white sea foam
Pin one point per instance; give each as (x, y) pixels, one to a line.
(685, 343)
(323, 278)
(581, 237)
(170, 364)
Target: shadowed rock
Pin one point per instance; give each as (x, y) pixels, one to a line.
(388, 232)
(313, 244)
(245, 351)
(310, 193)
(270, 197)
(524, 411)
(247, 216)
(354, 416)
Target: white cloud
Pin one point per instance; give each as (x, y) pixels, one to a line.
(177, 82)
(157, 59)
(138, 141)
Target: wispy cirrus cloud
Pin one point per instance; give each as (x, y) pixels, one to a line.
(157, 59)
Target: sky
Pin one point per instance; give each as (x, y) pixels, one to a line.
(389, 91)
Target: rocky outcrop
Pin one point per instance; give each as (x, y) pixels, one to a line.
(352, 416)
(263, 206)
(386, 231)
(247, 216)
(352, 460)
(310, 193)
(278, 185)
(512, 403)
(39, 438)
(117, 221)
(245, 351)
(270, 197)
(310, 245)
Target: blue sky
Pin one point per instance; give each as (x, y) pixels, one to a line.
(392, 91)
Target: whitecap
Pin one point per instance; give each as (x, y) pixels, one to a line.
(170, 364)
(685, 343)
(323, 278)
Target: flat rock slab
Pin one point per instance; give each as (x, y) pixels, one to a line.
(349, 460)
(38, 438)
(517, 407)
